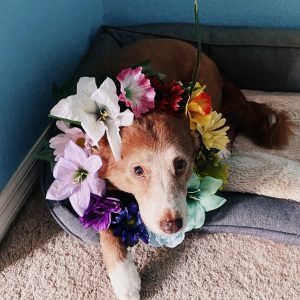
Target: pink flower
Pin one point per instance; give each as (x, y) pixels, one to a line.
(74, 134)
(76, 178)
(136, 90)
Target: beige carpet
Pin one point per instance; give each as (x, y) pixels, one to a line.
(40, 261)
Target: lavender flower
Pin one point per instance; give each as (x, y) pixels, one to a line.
(76, 178)
(98, 213)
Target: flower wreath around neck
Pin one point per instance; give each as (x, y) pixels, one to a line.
(94, 112)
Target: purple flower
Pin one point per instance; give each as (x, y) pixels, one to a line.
(98, 213)
(76, 177)
(129, 226)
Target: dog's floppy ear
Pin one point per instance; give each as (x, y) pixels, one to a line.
(195, 135)
(196, 141)
(106, 155)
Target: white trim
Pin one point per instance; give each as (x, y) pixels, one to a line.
(16, 191)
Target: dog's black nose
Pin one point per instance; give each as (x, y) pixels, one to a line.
(171, 226)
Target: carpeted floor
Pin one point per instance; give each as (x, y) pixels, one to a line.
(40, 261)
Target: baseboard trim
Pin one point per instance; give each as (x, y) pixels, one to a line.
(16, 191)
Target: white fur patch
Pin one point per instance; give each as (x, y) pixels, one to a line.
(125, 280)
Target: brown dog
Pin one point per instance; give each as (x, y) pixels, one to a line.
(158, 150)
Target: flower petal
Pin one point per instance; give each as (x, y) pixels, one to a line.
(87, 86)
(62, 126)
(77, 108)
(75, 154)
(114, 138)
(80, 200)
(212, 202)
(64, 170)
(59, 190)
(65, 127)
(103, 223)
(196, 215)
(194, 182)
(93, 164)
(136, 90)
(106, 98)
(95, 131)
(209, 186)
(97, 185)
(125, 118)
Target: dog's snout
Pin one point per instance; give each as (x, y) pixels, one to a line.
(171, 226)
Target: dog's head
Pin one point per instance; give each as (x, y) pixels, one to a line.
(157, 158)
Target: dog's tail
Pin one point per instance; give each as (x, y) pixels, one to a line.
(265, 126)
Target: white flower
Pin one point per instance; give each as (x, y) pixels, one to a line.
(97, 110)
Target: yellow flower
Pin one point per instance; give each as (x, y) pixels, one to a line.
(213, 136)
(198, 108)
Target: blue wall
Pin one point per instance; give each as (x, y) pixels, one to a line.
(40, 42)
(43, 41)
(257, 13)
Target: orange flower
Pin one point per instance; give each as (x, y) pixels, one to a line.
(199, 107)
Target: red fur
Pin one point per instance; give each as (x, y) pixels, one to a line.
(253, 119)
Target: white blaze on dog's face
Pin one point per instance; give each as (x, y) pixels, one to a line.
(157, 159)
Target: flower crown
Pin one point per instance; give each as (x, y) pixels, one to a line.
(94, 112)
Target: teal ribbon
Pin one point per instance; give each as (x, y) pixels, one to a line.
(200, 198)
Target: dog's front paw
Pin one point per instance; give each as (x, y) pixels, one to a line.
(125, 280)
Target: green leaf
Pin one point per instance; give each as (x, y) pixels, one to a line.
(198, 57)
(212, 202)
(196, 215)
(194, 182)
(148, 70)
(210, 164)
(209, 186)
(46, 153)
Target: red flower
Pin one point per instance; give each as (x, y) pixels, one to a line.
(167, 94)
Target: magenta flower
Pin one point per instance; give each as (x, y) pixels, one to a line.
(74, 134)
(136, 90)
(98, 213)
(76, 178)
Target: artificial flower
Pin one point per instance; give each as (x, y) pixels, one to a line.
(200, 198)
(129, 226)
(168, 94)
(199, 107)
(76, 177)
(213, 135)
(211, 165)
(171, 241)
(75, 134)
(136, 90)
(97, 110)
(98, 213)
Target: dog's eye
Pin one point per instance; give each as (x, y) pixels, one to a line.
(138, 171)
(180, 165)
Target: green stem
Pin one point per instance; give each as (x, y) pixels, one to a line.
(197, 64)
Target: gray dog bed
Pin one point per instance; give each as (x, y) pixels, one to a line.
(261, 59)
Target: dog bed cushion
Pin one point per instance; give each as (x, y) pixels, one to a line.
(279, 170)
(269, 217)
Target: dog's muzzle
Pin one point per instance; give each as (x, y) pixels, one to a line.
(171, 226)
